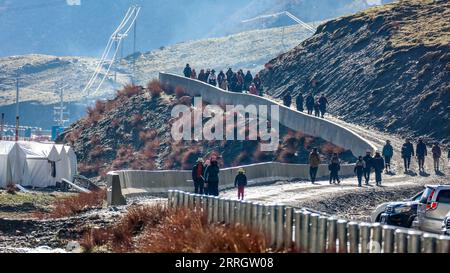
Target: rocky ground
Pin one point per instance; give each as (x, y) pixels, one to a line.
(387, 67)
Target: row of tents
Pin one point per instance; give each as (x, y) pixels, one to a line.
(34, 164)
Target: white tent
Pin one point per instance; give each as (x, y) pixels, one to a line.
(13, 164)
(62, 166)
(41, 160)
(72, 161)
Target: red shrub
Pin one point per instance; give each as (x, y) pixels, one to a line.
(129, 90)
(154, 87)
(180, 91)
(189, 158)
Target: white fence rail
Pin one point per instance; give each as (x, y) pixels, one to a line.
(310, 232)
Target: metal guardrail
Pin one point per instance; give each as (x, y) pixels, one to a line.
(303, 231)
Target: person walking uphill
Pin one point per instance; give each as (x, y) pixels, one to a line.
(317, 109)
(323, 105)
(197, 176)
(368, 162)
(407, 151)
(359, 170)
(187, 71)
(334, 168)
(212, 178)
(287, 100)
(299, 102)
(437, 153)
(240, 181)
(310, 104)
(421, 152)
(378, 165)
(388, 153)
(314, 162)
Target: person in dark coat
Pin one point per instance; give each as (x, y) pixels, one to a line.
(287, 100)
(212, 178)
(229, 75)
(334, 168)
(299, 102)
(258, 83)
(187, 71)
(317, 109)
(240, 181)
(368, 162)
(323, 105)
(310, 104)
(202, 76)
(360, 165)
(437, 153)
(221, 78)
(388, 153)
(407, 152)
(197, 176)
(421, 152)
(378, 165)
(248, 79)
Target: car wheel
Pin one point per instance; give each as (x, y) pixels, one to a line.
(377, 220)
(411, 221)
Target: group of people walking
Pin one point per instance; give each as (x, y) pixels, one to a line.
(421, 152)
(232, 81)
(318, 105)
(205, 175)
(378, 163)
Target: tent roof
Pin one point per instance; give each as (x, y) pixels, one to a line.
(36, 150)
(6, 147)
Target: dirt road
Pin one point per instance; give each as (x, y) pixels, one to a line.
(347, 200)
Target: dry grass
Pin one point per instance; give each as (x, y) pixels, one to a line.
(11, 189)
(154, 87)
(75, 204)
(156, 229)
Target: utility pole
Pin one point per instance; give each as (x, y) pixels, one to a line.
(59, 112)
(2, 124)
(134, 52)
(115, 47)
(17, 108)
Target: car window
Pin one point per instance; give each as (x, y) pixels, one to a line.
(425, 195)
(444, 196)
(418, 196)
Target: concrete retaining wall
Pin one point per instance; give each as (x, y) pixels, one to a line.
(134, 183)
(290, 118)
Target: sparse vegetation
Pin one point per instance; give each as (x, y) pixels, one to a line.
(156, 229)
(73, 205)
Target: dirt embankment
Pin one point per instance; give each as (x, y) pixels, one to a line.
(386, 67)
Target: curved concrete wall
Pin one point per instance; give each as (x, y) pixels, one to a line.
(290, 118)
(133, 183)
(130, 183)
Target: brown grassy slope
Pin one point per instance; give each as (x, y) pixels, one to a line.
(133, 131)
(387, 67)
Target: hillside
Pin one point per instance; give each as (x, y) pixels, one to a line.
(42, 75)
(387, 67)
(133, 131)
(306, 10)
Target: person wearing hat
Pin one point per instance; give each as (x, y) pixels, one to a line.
(197, 176)
(368, 165)
(407, 152)
(212, 177)
(240, 182)
(314, 162)
(387, 153)
(378, 165)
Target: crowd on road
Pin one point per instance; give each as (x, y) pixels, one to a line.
(205, 174)
(380, 162)
(316, 106)
(239, 81)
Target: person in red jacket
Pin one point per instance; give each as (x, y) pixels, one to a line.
(240, 181)
(197, 176)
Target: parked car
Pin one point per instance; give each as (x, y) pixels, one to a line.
(446, 225)
(400, 214)
(433, 208)
(376, 214)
